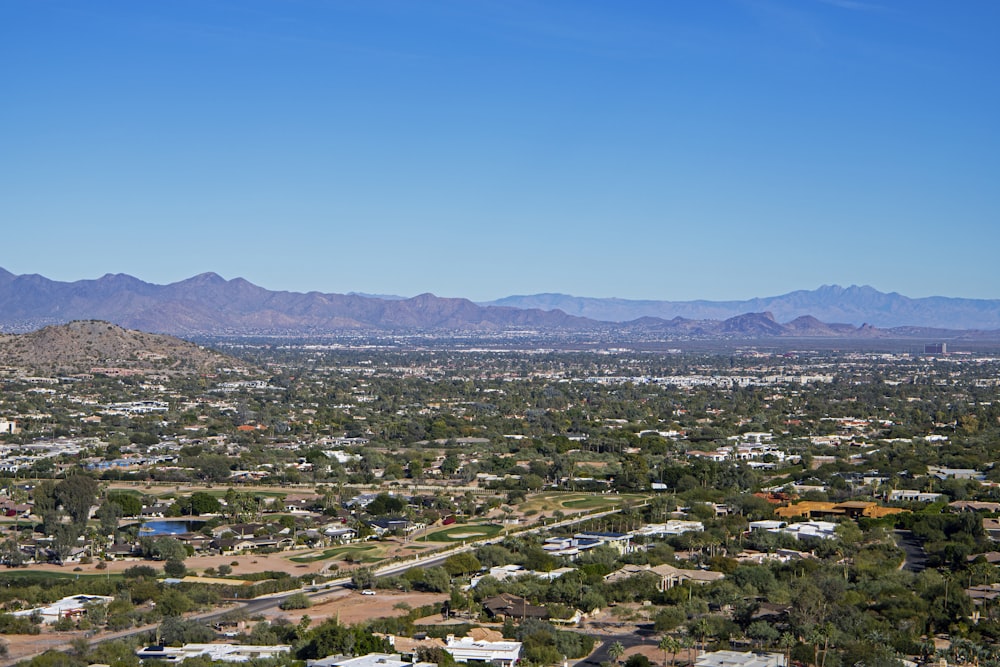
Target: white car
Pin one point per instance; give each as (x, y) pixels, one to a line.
(368, 591)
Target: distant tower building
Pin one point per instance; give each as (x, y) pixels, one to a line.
(936, 348)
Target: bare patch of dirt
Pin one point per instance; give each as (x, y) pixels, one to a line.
(351, 607)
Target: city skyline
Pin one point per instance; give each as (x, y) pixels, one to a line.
(474, 149)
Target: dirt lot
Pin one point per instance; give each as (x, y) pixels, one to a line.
(19, 646)
(245, 563)
(352, 607)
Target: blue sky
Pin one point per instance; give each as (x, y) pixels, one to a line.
(670, 149)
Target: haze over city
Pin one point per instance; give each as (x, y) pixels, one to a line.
(719, 150)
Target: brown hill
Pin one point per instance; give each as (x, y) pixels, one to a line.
(82, 346)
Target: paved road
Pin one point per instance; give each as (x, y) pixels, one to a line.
(628, 640)
(916, 557)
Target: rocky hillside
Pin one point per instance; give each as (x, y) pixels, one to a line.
(82, 346)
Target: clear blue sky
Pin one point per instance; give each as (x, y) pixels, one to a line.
(669, 149)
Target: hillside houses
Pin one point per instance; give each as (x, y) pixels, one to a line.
(669, 576)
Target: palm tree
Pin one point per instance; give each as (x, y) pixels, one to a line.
(669, 644)
(616, 651)
(701, 628)
(786, 642)
(687, 642)
(815, 636)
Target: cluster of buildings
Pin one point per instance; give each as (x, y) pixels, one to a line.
(481, 646)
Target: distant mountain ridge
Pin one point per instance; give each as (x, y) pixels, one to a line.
(209, 304)
(829, 303)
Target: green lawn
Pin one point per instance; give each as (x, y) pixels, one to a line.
(571, 500)
(463, 532)
(593, 503)
(126, 492)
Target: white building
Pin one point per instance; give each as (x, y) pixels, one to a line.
(672, 527)
(137, 408)
(73, 606)
(465, 649)
(219, 652)
(826, 530)
(910, 496)
(504, 572)
(619, 541)
(370, 660)
(740, 659)
(767, 524)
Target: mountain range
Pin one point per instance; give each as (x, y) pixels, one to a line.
(830, 303)
(209, 304)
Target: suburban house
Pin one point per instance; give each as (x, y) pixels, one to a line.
(910, 496)
(495, 652)
(215, 652)
(740, 659)
(669, 575)
(370, 660)
(73, 606)
(622, 542)
(506, 605)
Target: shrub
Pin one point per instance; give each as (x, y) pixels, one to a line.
(174, 568)
(296, 601)
(17, 625)
(137, 571)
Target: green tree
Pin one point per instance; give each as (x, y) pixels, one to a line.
(203, 503)
(175, 631)
(77, 494)
(129, 504)
(616, 651)
(762, 633)
(461, 563)
(174, 568)
(174, 603)
(164, 548)
(363, 578)
(109, 514)
(669, 644)
(296, 601)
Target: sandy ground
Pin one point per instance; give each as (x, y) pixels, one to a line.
(351, 607)
(245, 563)
(19, 646)
(655, 655)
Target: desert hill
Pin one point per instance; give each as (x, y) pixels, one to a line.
(82, 346)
